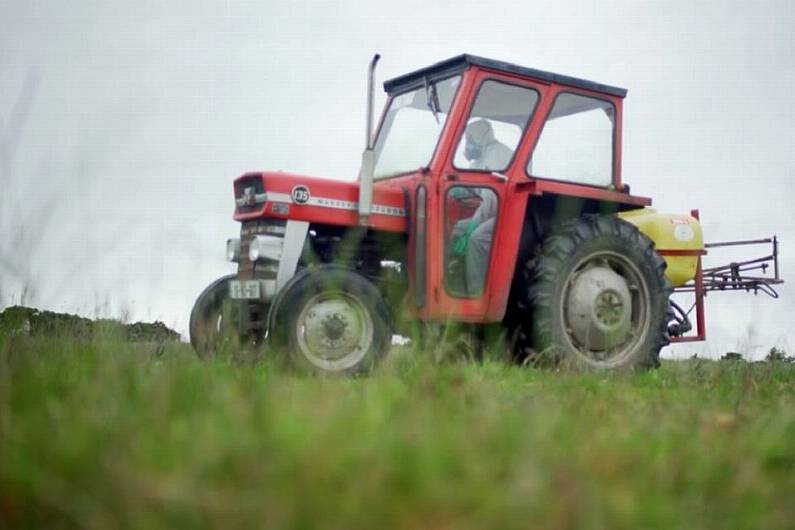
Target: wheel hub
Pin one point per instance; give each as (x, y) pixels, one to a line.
(609, 308)
(334, 326)
(598, 308)
(334, 330)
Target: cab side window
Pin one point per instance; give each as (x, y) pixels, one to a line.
(576, 143)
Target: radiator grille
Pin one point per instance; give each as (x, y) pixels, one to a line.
(248, 270)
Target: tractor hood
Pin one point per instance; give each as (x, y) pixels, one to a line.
(317, 200)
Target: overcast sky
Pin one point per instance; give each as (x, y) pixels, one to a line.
(122, 125)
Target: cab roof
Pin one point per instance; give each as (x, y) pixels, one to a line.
(459, 63)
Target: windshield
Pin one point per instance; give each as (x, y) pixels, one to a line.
(412, 126)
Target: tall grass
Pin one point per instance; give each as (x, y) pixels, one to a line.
(106, 434)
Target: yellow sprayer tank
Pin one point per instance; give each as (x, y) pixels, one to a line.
(671, 232)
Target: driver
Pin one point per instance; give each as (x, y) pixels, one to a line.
(473, 236)
(483, 150)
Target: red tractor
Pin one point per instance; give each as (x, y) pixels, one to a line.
(489, 195)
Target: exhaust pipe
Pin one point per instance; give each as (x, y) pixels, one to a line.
(368, 141)
(368, 156)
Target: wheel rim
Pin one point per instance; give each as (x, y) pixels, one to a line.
(605, 308)
(334, 330)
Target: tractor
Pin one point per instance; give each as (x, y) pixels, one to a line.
(490, 196)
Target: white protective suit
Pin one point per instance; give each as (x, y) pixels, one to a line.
(491, 156)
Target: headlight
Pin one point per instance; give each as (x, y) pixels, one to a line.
(265, 247)
(233, 249)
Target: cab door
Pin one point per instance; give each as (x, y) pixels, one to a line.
(475, 207)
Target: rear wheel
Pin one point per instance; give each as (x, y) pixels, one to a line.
(599, 298)
(332, 320)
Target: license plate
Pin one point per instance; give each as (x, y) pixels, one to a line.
(244, 290)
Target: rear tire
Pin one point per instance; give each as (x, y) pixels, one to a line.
(332, 320)
(599, 298)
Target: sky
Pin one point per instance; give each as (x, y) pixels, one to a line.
(122, 125)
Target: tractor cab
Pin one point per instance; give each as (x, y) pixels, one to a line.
(475, 137)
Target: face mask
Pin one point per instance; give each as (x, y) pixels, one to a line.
(472, 151)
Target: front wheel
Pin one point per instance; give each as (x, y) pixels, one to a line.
(599, 297)
(332, 320)
(214, 321)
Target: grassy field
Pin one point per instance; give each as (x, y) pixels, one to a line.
(113, 435)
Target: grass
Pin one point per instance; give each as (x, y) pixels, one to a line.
(107, 434)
